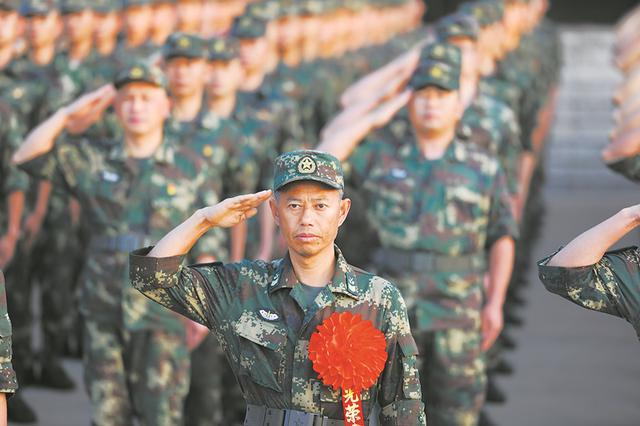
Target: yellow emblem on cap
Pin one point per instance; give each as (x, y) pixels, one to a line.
(455, 29)
(171, 189)
(307, 166)
(184, 42)
(207, 151)
(436, 72)
(218, 46)
(136, 72)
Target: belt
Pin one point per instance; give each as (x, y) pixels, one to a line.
(123, 243)
(397, 260)
(264, 416)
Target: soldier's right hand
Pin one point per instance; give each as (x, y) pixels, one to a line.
(385, 112)
(232, 211)
(87, 109)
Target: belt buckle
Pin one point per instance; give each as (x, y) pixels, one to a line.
(298, 418)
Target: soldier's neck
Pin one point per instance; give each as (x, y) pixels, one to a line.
(134, 40)
(468, 90)
(223, 106)
(159, 36)
(252, 81)
(272, 60)
(186, 108)
(434, 143)
(80, 50)
(43, 55)
(315, 271)
(105, 47)
(143, 145)
(6, 54)
(291, 57)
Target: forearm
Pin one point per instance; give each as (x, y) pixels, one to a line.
(42, 200)
(238, 241)
(344, 141)
(267, 232)
(3, 409)
(15, 202)
(527, 167)
(624, 146)
(41, 139)
(182, 238)
(589, 247)
(501, 258)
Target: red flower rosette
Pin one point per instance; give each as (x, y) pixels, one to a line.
(348, 353)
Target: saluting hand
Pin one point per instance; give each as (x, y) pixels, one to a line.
(88, 108)
(385, 112)
(232, 211)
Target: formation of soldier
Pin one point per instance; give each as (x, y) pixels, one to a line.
(126, 118)
(586, 271)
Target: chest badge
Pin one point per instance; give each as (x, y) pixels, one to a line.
(110, 176)
(268, 315)
(171, 189)
(207, 151)
(399, 173)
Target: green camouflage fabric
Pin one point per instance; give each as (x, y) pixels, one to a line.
(183, 45)
(11, 178)
(627, 167)
(307, 165)
(223, 49)
(8, 382)
(106, 6)
(37, 7)
(494, 127)
(455, 206)
(74, 6)
(140, 72)
(435, 73)
(248, 26)
(611, 286)
(125, 55)
(257, 311)
(220, 144)
(457, 25)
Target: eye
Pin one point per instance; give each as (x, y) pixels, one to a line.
(294, 205)
(321, 206)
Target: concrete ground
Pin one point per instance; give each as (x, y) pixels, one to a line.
(573, 367)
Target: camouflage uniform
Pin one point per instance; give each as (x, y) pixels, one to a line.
(611, 286)
(263, 320)
(136, 361)
(8, 382)
(627, 167)
(436, 221)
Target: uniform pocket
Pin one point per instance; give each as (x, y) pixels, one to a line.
(262, 346)
(392, 198)
(466, 209)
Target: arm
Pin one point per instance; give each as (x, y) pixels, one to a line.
(623, 146)
(33, 223)
(501, 258)
(15, 202)
(589, 247)
(238, 241)
(76, 117)
(267, 233)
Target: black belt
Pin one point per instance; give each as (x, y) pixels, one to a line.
(264, 416)
(123, 243)
(397, 260)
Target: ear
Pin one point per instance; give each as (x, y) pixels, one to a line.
(273, 204)
(345, 206)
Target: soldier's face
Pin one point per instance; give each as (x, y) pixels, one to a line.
(42, 29)
(138, 19)
(309, 215)
(8, 27)
(141, 108)
(164, 15)
(189, 14)
(79, 26)
(186, 76)
(253, 52)
(107, 26)
(433, 109)
(224, 78)
(289, 31)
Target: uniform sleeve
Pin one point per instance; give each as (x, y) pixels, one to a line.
(501, 220)
(400, 395)
(16, 179)
(611, 286)
(8, 382)
(511, 149)
(201, 293)
(627, 167)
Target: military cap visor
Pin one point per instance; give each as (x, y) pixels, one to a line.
(37, 8)
(10, 5)
(308, 166)
(140, 73)
(180, 45)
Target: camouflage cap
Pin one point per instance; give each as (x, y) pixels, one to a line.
(247, 26)
(10, 5)
(134, 3)
(267, 10)
(223, 49)
(307, 165)
(290, 8)
(73, 6)
(140, 72)
(435, 73)
(37, 7)
(311, 7)
(105, 6)
(458, 25)
(445, 52)
(184, 45)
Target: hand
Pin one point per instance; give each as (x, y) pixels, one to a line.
(196, 333)
(7, 249)
(492, 324)
(32, 227)
(87, 109)
(385, 112)
(232, 211)
(75, 211)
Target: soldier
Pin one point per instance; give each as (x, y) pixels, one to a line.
(136, 357)
(587, 274)
(252, 306)
(136, 44)
(8, 382)
(163, 22)
(441, 210)
(189, 16)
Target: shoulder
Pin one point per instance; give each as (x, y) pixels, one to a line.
(477, 158)
(379, 291)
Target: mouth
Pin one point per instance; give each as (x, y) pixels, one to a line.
(305, 237)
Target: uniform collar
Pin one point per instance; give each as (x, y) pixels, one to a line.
(164, 154)
(344, 280)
